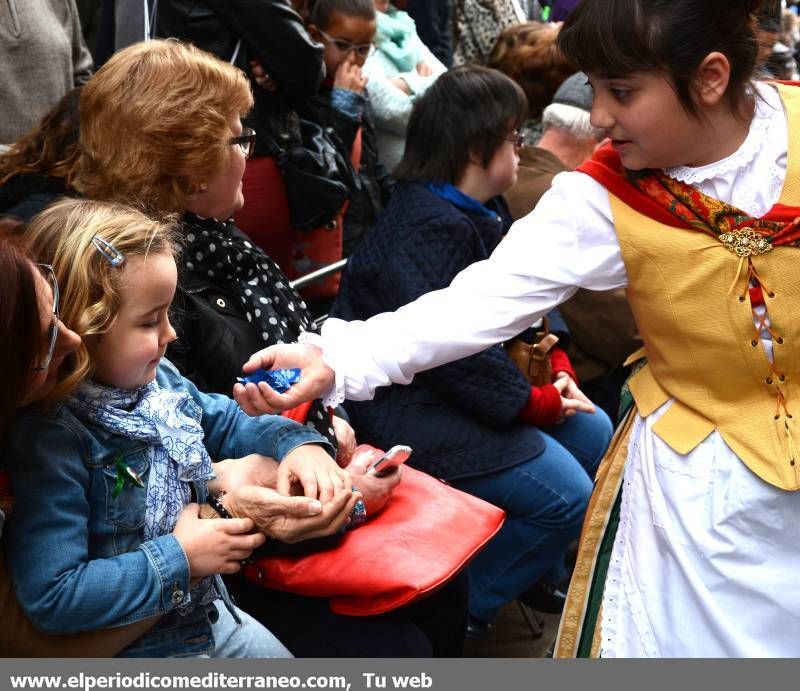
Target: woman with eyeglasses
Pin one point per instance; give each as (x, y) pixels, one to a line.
(476, 422)
(268, 41)
(35, 342)
(174, 144)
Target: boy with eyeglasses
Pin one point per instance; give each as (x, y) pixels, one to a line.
(347, 30)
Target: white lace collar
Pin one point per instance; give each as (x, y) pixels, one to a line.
(769, 112)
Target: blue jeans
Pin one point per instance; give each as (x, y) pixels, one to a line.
(545, 499)
(248, 639)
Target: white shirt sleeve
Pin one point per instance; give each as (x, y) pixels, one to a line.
(566, 242)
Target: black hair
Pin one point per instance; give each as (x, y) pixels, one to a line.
(615, 38)
(324, 10)
(467, 111)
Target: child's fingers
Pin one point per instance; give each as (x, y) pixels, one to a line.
(237, 526)
(231, 567)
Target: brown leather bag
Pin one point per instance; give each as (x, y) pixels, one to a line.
(533, 359)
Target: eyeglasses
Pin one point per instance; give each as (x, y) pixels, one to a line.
(246, 141)
(52, 333)
(363, 50)
(516, 138)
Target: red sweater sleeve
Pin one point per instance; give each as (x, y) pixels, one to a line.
(542, 407)
(560, 363)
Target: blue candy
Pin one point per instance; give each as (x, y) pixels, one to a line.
(279, 379)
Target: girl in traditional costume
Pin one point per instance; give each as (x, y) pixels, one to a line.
(691, 536)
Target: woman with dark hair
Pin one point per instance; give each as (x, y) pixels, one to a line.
(477, 422)
(33, 343)
(39, 167)
(691, 542)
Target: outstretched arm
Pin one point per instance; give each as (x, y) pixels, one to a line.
(567, 242)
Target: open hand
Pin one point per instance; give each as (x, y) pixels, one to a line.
(291, 519)
(316, 379)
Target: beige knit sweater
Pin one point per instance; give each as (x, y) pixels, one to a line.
(42, 57)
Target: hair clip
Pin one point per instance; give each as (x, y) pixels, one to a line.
(111, 253)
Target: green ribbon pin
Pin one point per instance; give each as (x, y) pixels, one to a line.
(125, 475)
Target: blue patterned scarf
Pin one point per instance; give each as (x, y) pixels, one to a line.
(176, 451)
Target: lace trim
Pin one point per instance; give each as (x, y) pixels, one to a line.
(767, 115)
(336, 395)
(617, 584)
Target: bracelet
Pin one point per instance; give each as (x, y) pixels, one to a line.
(215, 503)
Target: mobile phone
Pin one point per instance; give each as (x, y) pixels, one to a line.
(394, 457)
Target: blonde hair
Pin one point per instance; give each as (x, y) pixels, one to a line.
(89, 285)
(154, 124)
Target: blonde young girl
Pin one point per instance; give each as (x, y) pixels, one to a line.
(693, 209)
(123, 457)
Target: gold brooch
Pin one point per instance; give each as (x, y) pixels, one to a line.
(745, 242)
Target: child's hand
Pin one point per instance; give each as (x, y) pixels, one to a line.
(261, 77)
(424, 69)
(253, 469)
(573, 400)
(401, 84)
(348, 76)
(215, 546)
(309, 468)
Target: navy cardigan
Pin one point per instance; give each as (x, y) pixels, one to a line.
(460, 418)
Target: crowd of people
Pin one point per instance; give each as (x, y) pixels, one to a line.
(605, 186)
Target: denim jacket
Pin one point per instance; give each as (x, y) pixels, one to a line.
(76, 553)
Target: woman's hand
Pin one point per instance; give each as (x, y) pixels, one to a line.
(291, 519)
(214, 546)
(345, 439)
(316, 379)
(310, 471)
(573, 400)
(253, 469)
(375, 490)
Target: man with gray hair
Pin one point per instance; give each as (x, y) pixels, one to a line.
(568, 139)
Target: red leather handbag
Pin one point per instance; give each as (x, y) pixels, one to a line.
(424, 536)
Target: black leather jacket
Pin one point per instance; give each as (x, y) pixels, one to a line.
(270, 31)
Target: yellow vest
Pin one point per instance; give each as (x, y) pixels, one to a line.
(700, 340)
